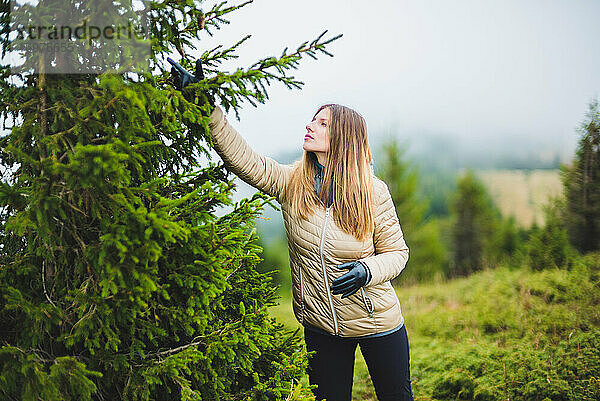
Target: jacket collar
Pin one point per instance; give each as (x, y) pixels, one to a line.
(319, 182)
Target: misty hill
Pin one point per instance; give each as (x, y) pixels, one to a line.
(439, 159)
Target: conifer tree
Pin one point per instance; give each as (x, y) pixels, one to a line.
(581, 183)
(427, 254)
(548, 247)
(402, 181)
(117, 279)
(474, 219)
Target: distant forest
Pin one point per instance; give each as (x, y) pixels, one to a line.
(438, 159)
(433, 152)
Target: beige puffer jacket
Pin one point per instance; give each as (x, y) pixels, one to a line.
(317, 245)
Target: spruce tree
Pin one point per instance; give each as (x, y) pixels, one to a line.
(474, 220)
(548, 247)
(117, 278)
(581, 185)
(427, 254)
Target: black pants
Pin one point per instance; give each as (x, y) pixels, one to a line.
(332, 366)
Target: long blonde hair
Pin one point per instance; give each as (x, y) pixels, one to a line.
(347, 172)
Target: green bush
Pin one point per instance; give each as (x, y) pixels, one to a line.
(548, 246)
(502, 334)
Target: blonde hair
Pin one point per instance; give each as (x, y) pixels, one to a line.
(347, 171)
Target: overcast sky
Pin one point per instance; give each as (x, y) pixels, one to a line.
(463, 69)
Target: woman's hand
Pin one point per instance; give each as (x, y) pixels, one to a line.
(358, 276)
(182, 77)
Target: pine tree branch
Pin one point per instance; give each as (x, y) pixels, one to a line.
(181, 348)
(233, 88)
(198, 340)
(212, 17)
(35, 352)
(216, 11)
(60, 134)
(44, 283)
(87, 315)
(291, 59)
(42, 105)
(233, 272)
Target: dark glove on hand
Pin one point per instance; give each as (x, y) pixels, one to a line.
(358, 276)
(182, 77)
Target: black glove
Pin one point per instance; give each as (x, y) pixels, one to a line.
(182, 77)
(358, 276)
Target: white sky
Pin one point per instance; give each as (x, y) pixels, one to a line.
(464, 68)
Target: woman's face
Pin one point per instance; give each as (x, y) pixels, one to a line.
(317, 133)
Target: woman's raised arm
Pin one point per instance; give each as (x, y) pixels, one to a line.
(261, 172)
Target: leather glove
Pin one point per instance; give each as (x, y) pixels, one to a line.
(182, 77)
(358, 276)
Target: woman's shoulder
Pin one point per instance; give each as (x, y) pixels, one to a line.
(380, 187)
(382, 198)
(378, 183)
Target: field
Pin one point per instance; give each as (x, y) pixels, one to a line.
(503, 334)
(522, 193)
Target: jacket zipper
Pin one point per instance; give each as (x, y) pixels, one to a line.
(367, 301)
(335, 323)
(301, 289)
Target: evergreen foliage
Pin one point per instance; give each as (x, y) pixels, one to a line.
(581, 183)
(548, 247)
(474, 222)
(402, 181)
(117, 279)
(506, 242)
(427, 253)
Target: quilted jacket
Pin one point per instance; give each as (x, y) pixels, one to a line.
(317, 245)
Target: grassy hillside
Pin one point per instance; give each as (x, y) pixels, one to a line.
(500, 335)
(522, 193)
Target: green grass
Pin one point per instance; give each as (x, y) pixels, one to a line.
(499, 335)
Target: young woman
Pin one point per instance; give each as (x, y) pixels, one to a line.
(345, 246)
